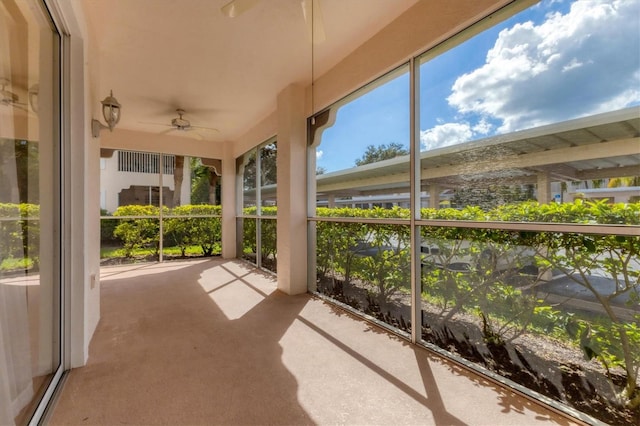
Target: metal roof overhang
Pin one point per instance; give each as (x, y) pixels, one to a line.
(599, 146)
(595, 147)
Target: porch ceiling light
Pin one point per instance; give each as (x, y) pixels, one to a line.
(111, 112)
(34, 92)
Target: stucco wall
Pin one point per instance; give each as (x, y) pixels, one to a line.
(113, 181)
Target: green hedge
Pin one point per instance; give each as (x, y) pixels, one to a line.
(268, 228)
(20, 231)
(137, 233)
(502, 269)
(181, 227)
(183, 232)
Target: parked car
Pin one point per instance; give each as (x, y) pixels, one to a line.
(463, 256)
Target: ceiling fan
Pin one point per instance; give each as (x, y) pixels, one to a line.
(8, 98)
(181, 124)
(310, 12)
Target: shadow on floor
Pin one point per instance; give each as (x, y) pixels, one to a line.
(214, 342)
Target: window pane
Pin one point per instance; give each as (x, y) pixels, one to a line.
(259, 235)
(362, 147)
(130, 192)
(268, 177)
(204, 182)
(555, 312)
(132, 178)
(195, 234)
(542, 106)
(366, 266)
(249, 240)
(248, 170)
(30, 206)
(192, 226)
(268, 244)
(132, 238)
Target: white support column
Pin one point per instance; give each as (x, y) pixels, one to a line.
(229, 204)
(292, 194)
(434, 196)
(331, 201)
(544, 188)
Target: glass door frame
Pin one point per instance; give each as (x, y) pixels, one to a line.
(60, 68)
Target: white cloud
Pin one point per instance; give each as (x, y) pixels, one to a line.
(483, 127)
(583, 62)
(573, 64)
(445, 135)
(319, 154)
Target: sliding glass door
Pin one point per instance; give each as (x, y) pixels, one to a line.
(30, 205)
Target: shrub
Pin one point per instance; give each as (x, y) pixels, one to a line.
(499, 264)
(205, 232)
(20, 230)
(136, 233)
(11, 231)
(107, 228)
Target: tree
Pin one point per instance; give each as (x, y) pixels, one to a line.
(213, 182)
(624, 181)
(204, 183)
(24, 172)
(178, 172)
(492, 196)
(199, 182)
(268, 158)
(373, 154)
(595, 183)
(268, 167)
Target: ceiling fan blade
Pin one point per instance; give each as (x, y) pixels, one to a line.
(313, 18)
(155, 124)
(209, 129)
(237, 7)
(189, 133)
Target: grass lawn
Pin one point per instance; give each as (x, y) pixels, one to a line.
(12, 264)
(191, 251)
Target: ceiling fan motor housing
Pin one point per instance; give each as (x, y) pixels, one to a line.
(180, 123)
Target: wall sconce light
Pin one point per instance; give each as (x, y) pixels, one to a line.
(111, 113)
(34, 91)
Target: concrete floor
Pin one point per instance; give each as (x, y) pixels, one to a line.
(214, 342)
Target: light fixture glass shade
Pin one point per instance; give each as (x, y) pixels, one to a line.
(111, 111)
(33, 97)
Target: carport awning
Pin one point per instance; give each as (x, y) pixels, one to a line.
(601, 146)
(595, 147)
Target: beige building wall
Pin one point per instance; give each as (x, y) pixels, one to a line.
(113, 181)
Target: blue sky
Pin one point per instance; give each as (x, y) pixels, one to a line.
(555, 61)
